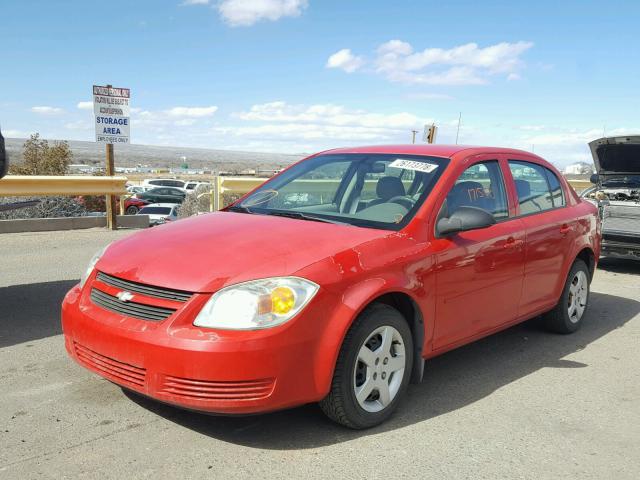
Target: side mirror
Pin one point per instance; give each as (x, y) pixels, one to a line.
(594, 178)
(464, 219)
(4, 162)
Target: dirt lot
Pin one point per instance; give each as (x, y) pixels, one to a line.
(520, 404)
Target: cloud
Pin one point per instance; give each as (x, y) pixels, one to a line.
(329, 114)
(345, 60)
(188, 3)
(243, 13)
(45, 110)
(85, 105)
(467, 64)
(192, 112)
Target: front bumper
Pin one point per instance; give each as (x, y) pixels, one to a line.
(620, 244)
(213, 371)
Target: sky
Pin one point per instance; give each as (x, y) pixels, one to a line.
(299, 76)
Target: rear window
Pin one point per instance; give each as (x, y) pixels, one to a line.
(155, 211)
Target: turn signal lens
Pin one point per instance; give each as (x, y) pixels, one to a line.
(283, 299)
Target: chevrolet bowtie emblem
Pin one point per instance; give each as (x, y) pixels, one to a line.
(125, 296)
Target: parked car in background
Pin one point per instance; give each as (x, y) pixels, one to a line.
(163, 195)
(617, 194)
(193, 186)
(4, 162)
(160, 213)
(164, 182)
(132, 205)
(337, 290)
(138, 188)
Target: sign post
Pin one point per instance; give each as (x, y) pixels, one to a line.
(111, 110)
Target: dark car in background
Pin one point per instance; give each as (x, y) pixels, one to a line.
(4, 163)
(163, 195)
(617, 194)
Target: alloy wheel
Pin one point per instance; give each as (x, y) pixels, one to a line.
(379, 369)
(578, 295)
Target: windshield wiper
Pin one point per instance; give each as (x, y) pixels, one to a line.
(304, 216)
(238, 209)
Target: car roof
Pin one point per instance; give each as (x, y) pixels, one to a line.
(434, 150)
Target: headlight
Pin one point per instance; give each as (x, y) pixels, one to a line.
(257, 304)
(92, 263)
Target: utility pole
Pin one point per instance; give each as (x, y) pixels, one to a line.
(414, 136)
(112, 220)
(458, 131)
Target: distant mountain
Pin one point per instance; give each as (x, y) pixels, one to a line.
(93, 153)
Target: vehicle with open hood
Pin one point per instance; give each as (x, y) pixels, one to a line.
(335, 280)
(4, 163)
(617, 193)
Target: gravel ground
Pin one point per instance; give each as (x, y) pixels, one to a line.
(520, 404)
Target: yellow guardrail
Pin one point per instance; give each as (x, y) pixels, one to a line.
(27, 186)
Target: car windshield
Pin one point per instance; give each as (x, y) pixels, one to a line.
(368, 190)
(155, 211)
(622, 181)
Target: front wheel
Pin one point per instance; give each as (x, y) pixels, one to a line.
(567, 315)
(373, 369)
(131, 210)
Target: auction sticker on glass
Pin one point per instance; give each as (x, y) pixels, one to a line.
(111, 111)
(413, 165)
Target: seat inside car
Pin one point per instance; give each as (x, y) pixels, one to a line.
(387, 188)
(469, 194)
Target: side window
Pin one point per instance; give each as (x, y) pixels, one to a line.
(557, 194)
(532, 186)
(481, 185)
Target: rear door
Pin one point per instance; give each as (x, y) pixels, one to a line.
(550, 229)
(479, 273)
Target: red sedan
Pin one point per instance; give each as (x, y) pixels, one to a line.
(336, 280)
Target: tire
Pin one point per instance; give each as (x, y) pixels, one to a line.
(567, 316)
(366, 340)
(132, 210)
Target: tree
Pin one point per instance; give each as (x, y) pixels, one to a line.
(40, 158)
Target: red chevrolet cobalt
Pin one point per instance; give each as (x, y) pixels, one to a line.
(336, 280)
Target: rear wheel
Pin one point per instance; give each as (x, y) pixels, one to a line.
(567, 315)
(373, 369)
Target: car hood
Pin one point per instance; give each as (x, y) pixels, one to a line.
(208, 252)
(615, 156)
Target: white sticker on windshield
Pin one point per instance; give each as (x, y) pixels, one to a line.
(413, 165)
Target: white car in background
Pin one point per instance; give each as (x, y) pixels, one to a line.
(164, 182)
(160, 213)
(193, 186)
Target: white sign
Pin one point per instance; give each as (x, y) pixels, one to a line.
(413, 165)
(111, 111)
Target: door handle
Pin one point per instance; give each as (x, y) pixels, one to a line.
(509, 243)
(565, 228)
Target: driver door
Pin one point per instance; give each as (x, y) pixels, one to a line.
(479, 273)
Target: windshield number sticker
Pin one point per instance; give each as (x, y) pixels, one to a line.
(413, 165)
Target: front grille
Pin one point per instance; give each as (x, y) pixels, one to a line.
(130, 309)
(624, 239)
(148, 290)
(119, 371)
(622, 218)
(208, 390)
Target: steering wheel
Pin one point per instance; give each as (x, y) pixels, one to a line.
(402, 200)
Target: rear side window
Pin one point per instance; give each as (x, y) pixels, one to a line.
(480, 186)
(557, 194)
(538, 188)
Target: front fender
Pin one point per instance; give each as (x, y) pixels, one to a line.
(354, 299)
